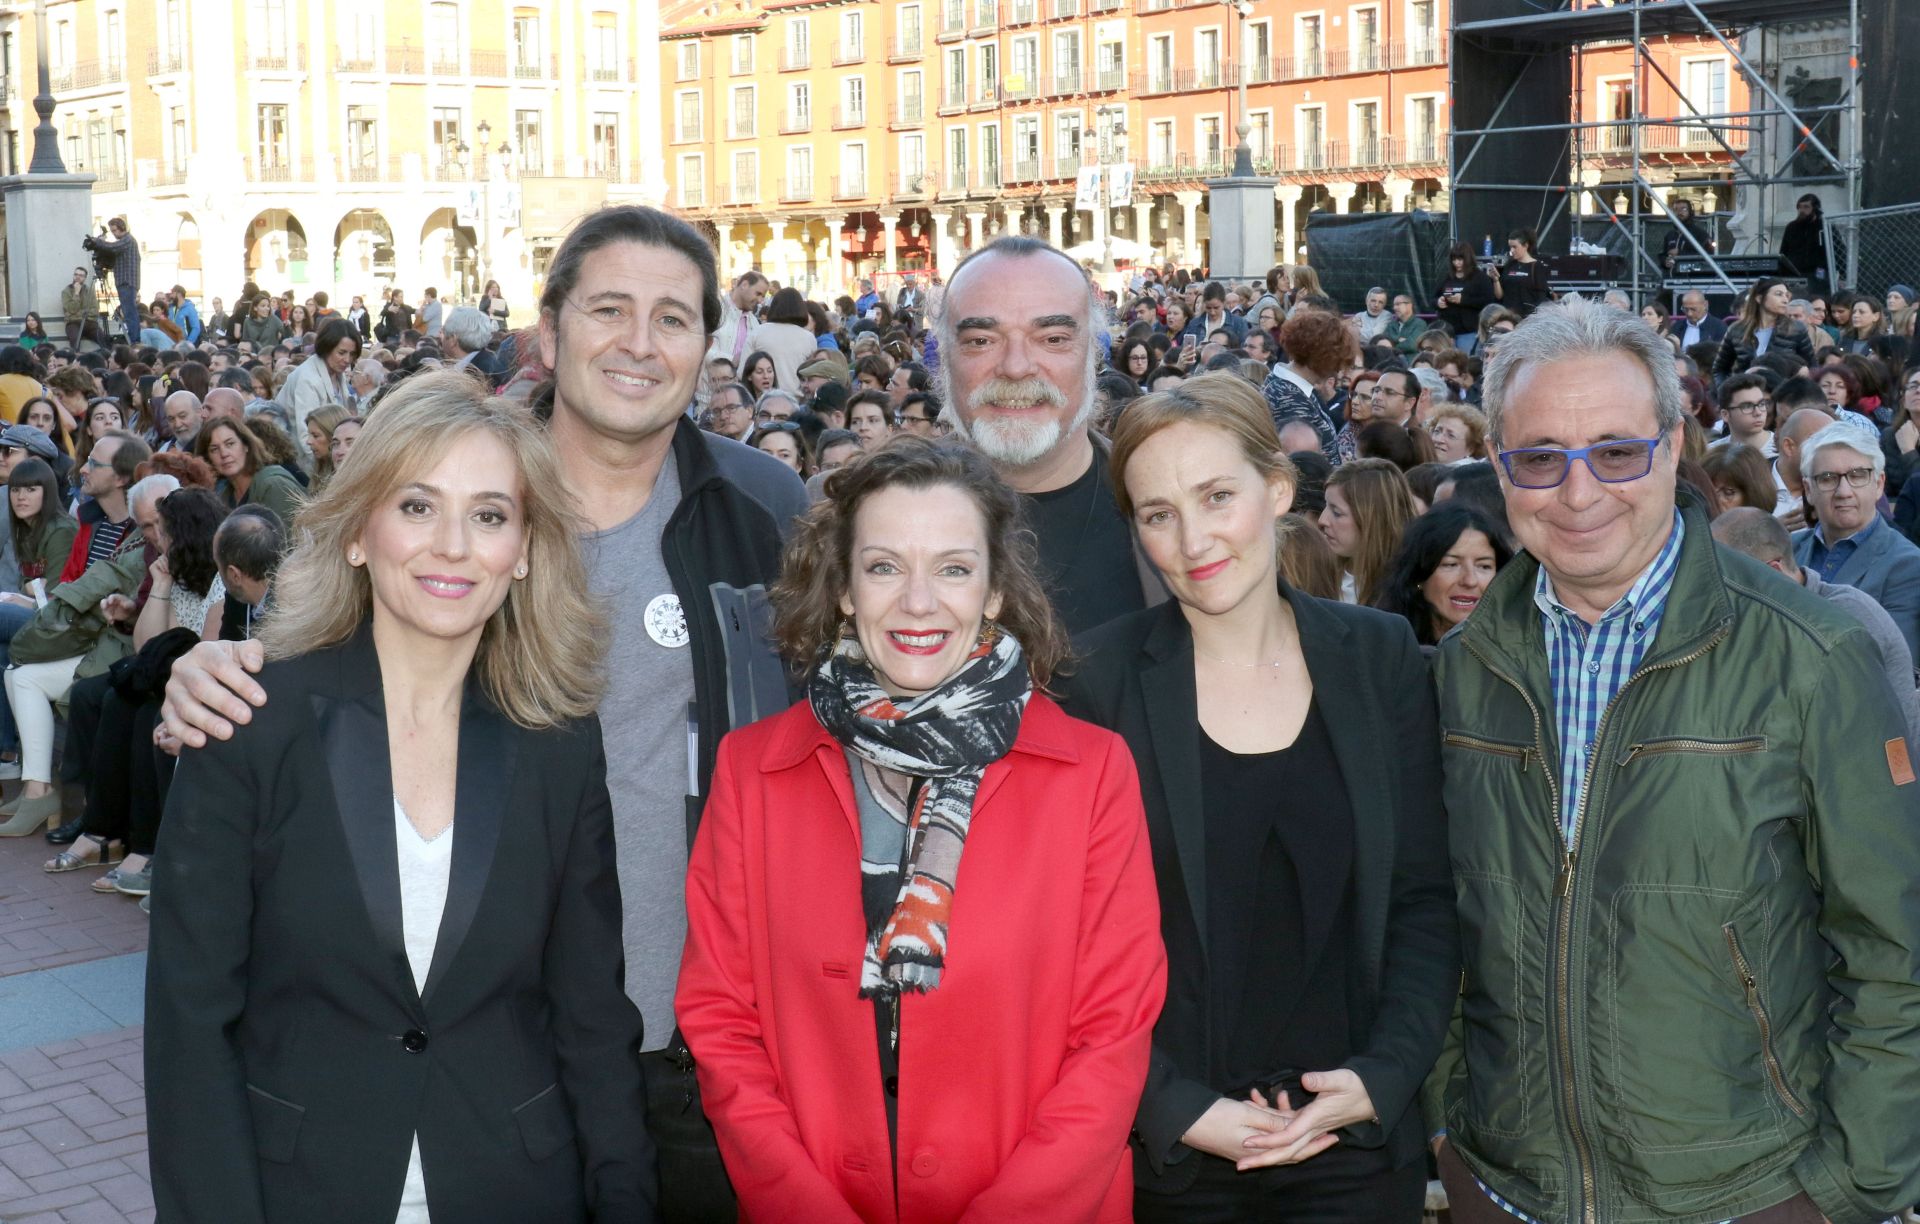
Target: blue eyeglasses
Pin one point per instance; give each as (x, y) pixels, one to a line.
(1615, 461)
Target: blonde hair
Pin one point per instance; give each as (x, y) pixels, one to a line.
(1302, 278)
(1221, 400)
(541, 651)
(327, 418)
(1471, 419)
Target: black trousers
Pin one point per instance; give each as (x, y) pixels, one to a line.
(693, 1182)
(83, 723)
(125, 784)
(1342, 1185)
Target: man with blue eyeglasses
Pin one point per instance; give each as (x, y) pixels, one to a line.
(1685, 840)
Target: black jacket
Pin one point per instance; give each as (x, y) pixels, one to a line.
(722, 551)
(1713, 329)
(1737, 350)
(289, 1059)
(1377, 698)
(1476, 294)
(1803, 243)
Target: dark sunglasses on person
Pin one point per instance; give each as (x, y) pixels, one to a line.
(1616, 461)
(792, 427)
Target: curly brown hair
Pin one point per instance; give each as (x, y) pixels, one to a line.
(1319, 343)
(817, 571)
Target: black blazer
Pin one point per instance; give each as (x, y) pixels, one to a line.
(1376, 695)
(1713, 329)
(289, 1058)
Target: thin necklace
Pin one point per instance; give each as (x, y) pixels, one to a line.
(1230, 663)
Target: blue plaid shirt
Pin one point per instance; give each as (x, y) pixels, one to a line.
(1827, 559)
(1589, 665)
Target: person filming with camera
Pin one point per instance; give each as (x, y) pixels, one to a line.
(119, 248)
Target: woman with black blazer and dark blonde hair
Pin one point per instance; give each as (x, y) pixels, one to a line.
(1289, 760)
(385, 974)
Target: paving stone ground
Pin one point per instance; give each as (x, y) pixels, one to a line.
(73, 1113)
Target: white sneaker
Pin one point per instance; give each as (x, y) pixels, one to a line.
(9, 770)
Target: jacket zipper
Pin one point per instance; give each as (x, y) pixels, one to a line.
(1457, 740)
(1693, 746)
(1752, 985)
(1563, 951)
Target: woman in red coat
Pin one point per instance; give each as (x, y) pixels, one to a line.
(923, 955)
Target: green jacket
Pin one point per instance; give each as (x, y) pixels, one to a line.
(1711, 1004)
(1406, 336)
(71, 623)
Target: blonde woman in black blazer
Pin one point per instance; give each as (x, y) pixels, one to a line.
(385, 975)
(1289, 763)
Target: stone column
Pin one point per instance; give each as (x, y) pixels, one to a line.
(976, 229)
(1054, 234)
(1189, 224)
(1399, 193)
(1289, 197)
(1101, 220)
(836, 278)
(889, 227)
(1589, 183)
(1143, 223)
(1342, 194)
(773, 256)
(943, 252)
(723, 251)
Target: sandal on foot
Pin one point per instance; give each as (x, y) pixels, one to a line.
(108, 852)
(106, 883)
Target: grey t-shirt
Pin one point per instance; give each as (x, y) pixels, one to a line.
(643, 718)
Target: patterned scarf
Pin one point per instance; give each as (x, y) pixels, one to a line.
(947, 736)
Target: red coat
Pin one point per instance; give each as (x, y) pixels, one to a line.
(1019, 1075)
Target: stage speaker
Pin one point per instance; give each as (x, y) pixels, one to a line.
(1484, 68)
(1890, 81)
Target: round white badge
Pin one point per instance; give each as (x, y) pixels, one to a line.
(666, 620)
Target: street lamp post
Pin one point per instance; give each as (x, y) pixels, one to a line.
(1242, 152)
(46, 141)
(1113, 128)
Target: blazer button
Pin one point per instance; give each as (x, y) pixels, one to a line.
(893, 1086)
(925, 1163)
(413, 1041)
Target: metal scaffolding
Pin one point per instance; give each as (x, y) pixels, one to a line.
(1741, 140)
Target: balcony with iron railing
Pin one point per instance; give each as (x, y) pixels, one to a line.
(1153, 81)
(849, 186)
(169, 175)
(1067, 165)
(907, 185)
(489, 64)
(845, 117)
(910, 111)
(445, 62)
(796, 190)
(747, 192)
(604, 74)
(1428, 51)
(743, 127)
(1106, 6)
(1064, 82)
(905, 48)
(1023, 170)
(1022, 12)
(278, 168)
(691, 194)
(406, 60)
(356, 59)
(986, 96)
(534, 68)
(1065, 8)
(88, 74)
(1020, 87)
(794, 120)
(109, 178)
(1109, 79)
(986, 178)
(845, 53)
(795, 59)
(953, 98)
(986, 16)
(277, 59)
(953, 20)
(1205, 76)
(689, 131)
(161, 63)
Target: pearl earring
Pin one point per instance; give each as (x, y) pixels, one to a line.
(353, 556)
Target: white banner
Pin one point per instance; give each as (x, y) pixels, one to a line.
(1086, 192)
(1120, 184)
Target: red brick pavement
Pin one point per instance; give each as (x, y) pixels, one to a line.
(73, 1115)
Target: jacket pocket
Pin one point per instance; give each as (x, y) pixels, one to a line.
(1672, 744)
(545, 1126)
(1502, 1035)
(1520, 753)
(1756, 1003)
(276, 1125)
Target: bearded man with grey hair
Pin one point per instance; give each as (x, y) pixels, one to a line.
(1685, 834)
(1019, 331)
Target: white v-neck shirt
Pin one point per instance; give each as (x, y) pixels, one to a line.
(425, 867)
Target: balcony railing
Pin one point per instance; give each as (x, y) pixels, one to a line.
(1064, 81)
(792, 121)
(88, 74)
(1067, 166)
(986, 15)
(986, 96)
(737, 193)
(1022, 12)
(845, 117)
(795, 59)
(534, 68)
(953, 99)
(904, 48)
(355, 59)
(796, 190)
(1109, 79)
(1206, 76)
(987, 178)
(452, 171)
(489, 64)
(277, 59)
(910, 111)
(1024, 171)
(849, 187)
(1066, 8)
(366, 169)
(446, 63)
(169, 175)
(1020, 87)
(849, 53)
(1155, 81)
(405, 60)
(280, 169)
(603, 74)
(1105, 6)
(691, 195)
(910, 186)
(173, 59)
(110, 178)
(743, 127)
(953, 19)
(687, 133)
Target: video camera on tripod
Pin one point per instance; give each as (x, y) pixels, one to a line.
(102, 258)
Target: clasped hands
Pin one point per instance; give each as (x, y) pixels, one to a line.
(1257, 1133)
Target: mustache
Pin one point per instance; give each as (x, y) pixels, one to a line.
(1023, 392)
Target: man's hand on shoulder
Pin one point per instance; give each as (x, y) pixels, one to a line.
(211, 689)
